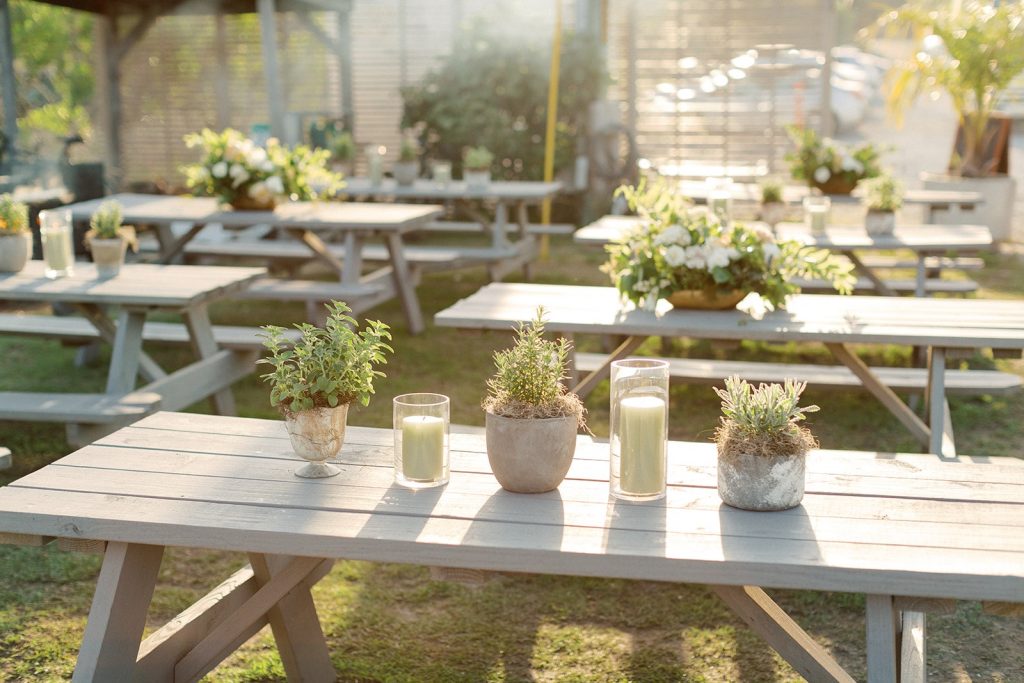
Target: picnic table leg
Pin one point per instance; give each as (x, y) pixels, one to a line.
(526, 239)
(118, 613)
(148, 367)
(403, 283)
(127, 353)
(204, 345)
(882, 639)
(877, 282)
(936, 405)
(171, 249)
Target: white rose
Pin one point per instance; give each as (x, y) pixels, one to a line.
(849, 163)
(764, 234)
(675, 256)
(754, 306)
(858, 167)
(260, 192)
(717, 257)
(673, 234)
(275, 184)
(238, 174)
(257, 156)
(267, 166)
(695, 257)
(220, 169)
(822, 174)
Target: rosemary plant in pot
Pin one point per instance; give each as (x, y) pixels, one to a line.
(407, 167)
(773, 209)
(531, 418)
(314, 381)
(15, 236)
(476, 168)
(762, 448)
(883, 195)
(108, 239)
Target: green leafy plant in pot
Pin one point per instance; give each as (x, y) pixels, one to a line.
(314, 380)
(531, 418)
(407, 168)
(762, 448)
(108, 239)
(476, 168)
(773, 208)
(883, 196)
(15, 235)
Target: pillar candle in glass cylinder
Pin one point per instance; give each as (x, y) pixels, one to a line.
(375, 163)
(55, 235)
(421, 440)
(816, 213)
(442, 172)
(719, 192)
(639, 428)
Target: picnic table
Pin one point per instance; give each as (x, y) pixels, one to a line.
(930, 244)
(891, 526)
(945, 328)
(115, 310)
(306, 223)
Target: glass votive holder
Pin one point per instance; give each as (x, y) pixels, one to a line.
(375, 163)
(421, 440)
(441, 172)
(719, 192)
(639, 428)
(55, 234)
(816, 213)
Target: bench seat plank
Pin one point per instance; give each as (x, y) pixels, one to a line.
(291, 250)
(86, 408)
(903, 286)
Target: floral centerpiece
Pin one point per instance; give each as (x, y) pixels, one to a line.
(686, 255)
(247, 176)
(829, 166)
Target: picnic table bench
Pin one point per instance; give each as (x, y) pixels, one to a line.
(909, 531)
(945, 328)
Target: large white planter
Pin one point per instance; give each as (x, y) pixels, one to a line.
(880, 222)
(108, 255)
(405, 172)
(530, 456)
(317, 435)
(763, 483)
(15, 251)
(997, 211)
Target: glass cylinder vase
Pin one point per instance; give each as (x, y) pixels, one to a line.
(816, 213)
(421, 440)
(55, 232)
(375, 163)
(639, 428)
(719, 192)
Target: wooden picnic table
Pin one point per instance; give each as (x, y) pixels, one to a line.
(306, 222)
(909, 531)
(944, 327)
(117, 309)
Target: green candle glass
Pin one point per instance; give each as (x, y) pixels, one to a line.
(421, 426)
(58, 251)
(639, 429)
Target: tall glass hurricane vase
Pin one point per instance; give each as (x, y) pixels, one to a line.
(421, 440)
(58, 252)
(639, 429)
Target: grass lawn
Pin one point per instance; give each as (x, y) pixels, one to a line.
(393, 623)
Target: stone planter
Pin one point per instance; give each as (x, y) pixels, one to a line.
(757, 482)
(15, 251)
(530, 456)
(108, 255)
(406, 172)
(773, 213)
(880, 222)
(476, 180)
(997, 211)
(317, 435)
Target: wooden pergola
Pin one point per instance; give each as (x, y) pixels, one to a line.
(123, 23)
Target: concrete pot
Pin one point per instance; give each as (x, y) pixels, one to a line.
(108, 255)
(772, 213)
(530, 456)
(476, 180)
(997, 211)
(15, 251)
(405, 172)
(880, 222)
(317, 435)
(757, 482)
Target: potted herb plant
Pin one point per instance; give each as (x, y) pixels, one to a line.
(531, 418)
(762, 448)
(407, 168)
(773, 209)
(883, 195)
(314, 381)
(972, 51)
(108, 239)
(343, 152)
(476, 168)
(827, 165)
(15, 235)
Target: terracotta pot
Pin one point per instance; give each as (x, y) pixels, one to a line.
(476, 180)
(405, 172)
(836, 185)
(880, 222)
(108, 255)
(317, 435)
(707, 300)
(757, 482)
(530, 456)
(15, 251)
(247, 203)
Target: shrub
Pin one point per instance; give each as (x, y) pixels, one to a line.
(764, 420)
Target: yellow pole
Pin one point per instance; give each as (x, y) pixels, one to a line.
(549, 137)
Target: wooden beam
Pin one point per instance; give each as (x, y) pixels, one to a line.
(344, 20)
(110, 94)
(882, 635)
(8, 85)
(271, 72)
(222, 73)
(912, 648)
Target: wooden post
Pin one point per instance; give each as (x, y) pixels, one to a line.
(8, 88)
(221, 74)
(268, 40)
(344, 19)
(110, 79)
(828, 38)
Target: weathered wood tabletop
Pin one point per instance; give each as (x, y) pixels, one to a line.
(794, 194)
(891, 526)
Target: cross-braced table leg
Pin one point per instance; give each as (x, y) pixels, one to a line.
(204, 345)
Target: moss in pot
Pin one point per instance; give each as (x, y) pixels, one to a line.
(531, 418)
(314, 381)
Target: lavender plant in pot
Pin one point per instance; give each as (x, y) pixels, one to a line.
(108, 239)
(314, 381)
(15, 236)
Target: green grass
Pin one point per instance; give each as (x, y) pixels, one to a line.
(393, 623)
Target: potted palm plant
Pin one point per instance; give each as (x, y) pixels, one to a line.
(15, 235)
(972, 51)
(773, 209)
(108, 239)
(882, 197)
(762, 448)
(314, 381)
(476, 168)
(531, 418)
(407, 168)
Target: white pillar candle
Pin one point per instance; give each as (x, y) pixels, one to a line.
(422, 447)
(642, 444)
(57, 251)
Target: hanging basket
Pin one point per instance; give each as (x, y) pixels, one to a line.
(706, 300)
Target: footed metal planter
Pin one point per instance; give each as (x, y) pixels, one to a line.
(530, 455)
(317, 435)
(763, 483)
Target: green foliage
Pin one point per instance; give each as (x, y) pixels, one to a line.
(768, 409)
(817, 160)
(342, 146)
(492, 91)
(983, 52)
(477, 159)
(883, 193)
(13, 216)
(107, 219)
(771, 191)
(681, 247)
(409, 149)
(327, 366)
